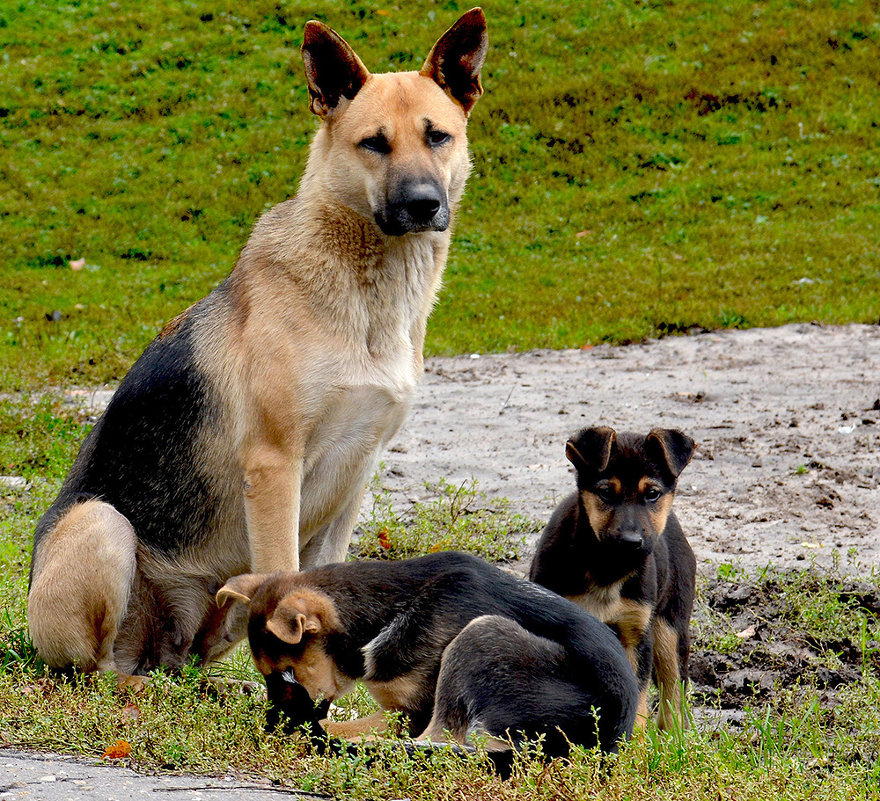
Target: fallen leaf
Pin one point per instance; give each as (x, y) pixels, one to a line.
(118, 751)
(131, 712)
(383, 12)
(746, 633)
(77, 264)
(383, 539)
(583, 233)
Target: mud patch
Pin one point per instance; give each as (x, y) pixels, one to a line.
(815, 632)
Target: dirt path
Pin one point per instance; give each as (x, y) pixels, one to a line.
(787, 420)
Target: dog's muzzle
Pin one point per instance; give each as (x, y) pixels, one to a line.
(414, 206)
(291, 706)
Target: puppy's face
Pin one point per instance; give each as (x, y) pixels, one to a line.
(288, 628)
(626, 484)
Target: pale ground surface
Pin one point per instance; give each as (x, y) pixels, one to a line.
(787, 422)
(787, 470)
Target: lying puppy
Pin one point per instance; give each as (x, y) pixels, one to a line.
(615, 548)
(456, 644)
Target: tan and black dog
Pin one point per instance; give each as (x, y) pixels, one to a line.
(616, 548)
(456, 644)
(242, 438)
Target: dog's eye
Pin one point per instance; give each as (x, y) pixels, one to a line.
(606, 494)
(652, 494)
(375, 144)
(437, 138)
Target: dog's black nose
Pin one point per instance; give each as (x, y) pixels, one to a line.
(423, 207)
(414, 206)
(631, 537)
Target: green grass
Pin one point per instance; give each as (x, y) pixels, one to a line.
(639, 167)
(459, 518)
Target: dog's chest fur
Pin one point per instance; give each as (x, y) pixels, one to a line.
(335, 354)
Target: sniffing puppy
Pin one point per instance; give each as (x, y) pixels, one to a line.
(242, 438)
(456, 644)
(616, 548)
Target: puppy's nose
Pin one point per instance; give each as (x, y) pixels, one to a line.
(631, 537)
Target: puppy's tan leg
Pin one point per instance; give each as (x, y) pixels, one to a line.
(632, 620)
(668, 677)
(357, 729)
(272, 501)
(83, 571)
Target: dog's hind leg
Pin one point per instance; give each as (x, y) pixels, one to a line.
(500, 680)
(330, 543)
(83, 570)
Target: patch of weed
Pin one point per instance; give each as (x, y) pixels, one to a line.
(459, 518)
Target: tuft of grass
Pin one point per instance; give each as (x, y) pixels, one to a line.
(460, 517)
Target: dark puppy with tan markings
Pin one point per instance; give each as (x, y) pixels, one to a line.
(616, 548)
(456, 644)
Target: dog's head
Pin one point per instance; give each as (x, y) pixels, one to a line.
(393, 146)
(288, 627)
(626, 483)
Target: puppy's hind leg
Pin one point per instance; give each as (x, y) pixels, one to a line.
(83, 570)
(493, 681)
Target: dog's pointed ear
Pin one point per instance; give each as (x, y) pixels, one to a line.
(293, 618)
(455, 61)
(672, 447)
(590, 449)
(240, 588)
(333, 69)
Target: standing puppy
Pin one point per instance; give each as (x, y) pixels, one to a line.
(615, 548)
(243, 436)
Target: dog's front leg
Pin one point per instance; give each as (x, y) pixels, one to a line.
(272, 485)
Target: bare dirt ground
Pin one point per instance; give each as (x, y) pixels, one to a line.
(787, 422)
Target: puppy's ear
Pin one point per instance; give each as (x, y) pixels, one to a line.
(297, 614)
(455, 61)
(672, 448)
(240, 588)
(590, 450)
(333, 70)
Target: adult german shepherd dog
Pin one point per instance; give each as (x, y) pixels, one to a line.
(241, 440)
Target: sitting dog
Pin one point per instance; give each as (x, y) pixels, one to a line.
(242, 439)
(615, 548)
(456, 644)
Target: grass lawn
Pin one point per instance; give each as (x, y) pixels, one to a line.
(640, 168)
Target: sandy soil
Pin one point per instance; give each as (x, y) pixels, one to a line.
(787, 422)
